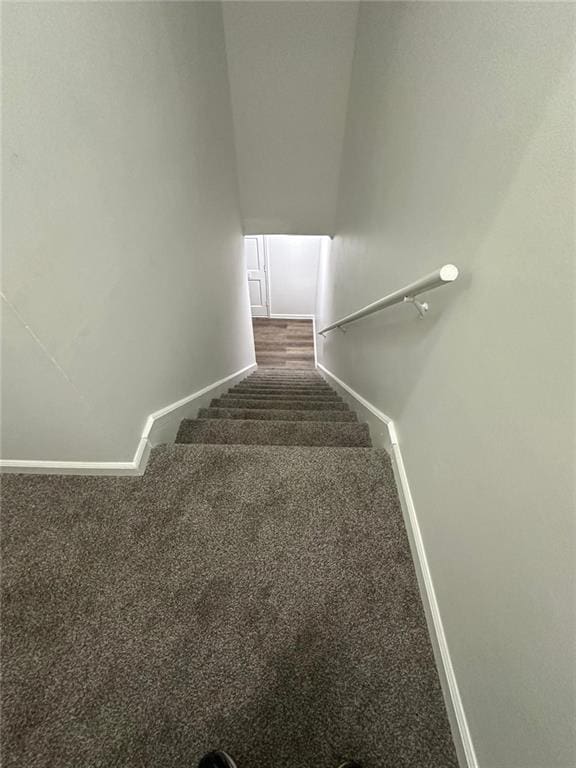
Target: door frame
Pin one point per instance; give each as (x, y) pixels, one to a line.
(265, 253)
(266, 245)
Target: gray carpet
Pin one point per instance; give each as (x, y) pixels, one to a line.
(259, 599)
(282, 381)
(268, 390)
(246, 432)
(228, 401)
(276, 383)
(253, 392)
(273, 413)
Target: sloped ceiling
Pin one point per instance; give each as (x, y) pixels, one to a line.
(289, 66)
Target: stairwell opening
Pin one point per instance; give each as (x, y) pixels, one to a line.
(282, 275)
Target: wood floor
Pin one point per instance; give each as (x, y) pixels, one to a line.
(283, 343)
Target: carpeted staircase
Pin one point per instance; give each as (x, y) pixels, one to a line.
(277, 408)
(253, 591)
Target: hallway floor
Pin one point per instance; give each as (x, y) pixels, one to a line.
(283, 343)
(256, 598)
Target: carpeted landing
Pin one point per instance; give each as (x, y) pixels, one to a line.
(257, 598)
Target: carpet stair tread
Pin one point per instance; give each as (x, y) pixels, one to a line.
(284, 395)
(283, 572)
(283, 383)
(227, 401)
(237, 432)
(295, 390)
(274, 413)
(302, 378)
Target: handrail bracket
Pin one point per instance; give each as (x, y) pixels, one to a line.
(421, 306)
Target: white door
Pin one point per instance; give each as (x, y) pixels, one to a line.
(256, 264)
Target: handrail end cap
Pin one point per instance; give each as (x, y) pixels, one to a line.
(448, 273)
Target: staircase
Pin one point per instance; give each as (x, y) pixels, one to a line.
(276, 407)
(340, 619)
(252, 591)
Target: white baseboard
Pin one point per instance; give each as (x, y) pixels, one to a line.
(42, 467)
(161, 427)
(314, 337)
(384, 435)
(291, 317)
(381, 426)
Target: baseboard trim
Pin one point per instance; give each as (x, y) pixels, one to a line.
(314, 337)
(41, 467)
(455, 709)
(160, 426)
(456, 713)
(381, 426)
(290, 317)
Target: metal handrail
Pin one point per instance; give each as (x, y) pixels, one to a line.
(446, 274)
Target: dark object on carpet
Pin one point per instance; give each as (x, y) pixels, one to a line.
(256, 597)
(217, 760)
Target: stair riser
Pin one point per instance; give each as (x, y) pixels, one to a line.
(281, 383)
(252, 414)
(230, 432)
(287, 377)
(285, 385)
(291, 405)
(284, 373)
(251, 393)
(271, 370)
(286, 382)
(276, 399)
(283, 394)
(288, 392)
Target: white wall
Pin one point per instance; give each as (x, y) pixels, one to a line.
(289, 65)
(460, 148)
(292, 270)
(124, 278)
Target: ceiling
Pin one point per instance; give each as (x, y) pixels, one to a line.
(289, 67)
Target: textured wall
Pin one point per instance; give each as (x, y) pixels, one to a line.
(123, 260)
(289, 65)
(460, 148)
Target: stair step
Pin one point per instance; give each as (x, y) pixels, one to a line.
(271, 370)
(227, 401)
(224, 574)
(274, 413)
(284, 394)
(237, 432)
(251, 393)
(285, 374)
(286, 385)
(282, 383)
